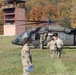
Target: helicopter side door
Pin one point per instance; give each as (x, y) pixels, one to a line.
(35, 39)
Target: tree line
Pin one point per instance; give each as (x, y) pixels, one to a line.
(62, 10)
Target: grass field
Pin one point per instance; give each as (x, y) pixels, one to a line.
(10, 60)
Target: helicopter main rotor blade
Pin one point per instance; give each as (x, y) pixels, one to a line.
(31, 22)
(46, 21)
(42, 21)
(28, 24)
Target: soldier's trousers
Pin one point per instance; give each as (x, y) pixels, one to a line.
(25, 67)
(53, 53)
(59, 52)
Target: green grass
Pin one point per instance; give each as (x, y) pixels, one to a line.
(10, 60)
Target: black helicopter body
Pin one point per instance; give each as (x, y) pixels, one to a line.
(66, 34)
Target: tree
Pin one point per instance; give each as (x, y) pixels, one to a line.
(65, 20)
(1, 17)
(73, 13)
(51, 11)
(35, 13)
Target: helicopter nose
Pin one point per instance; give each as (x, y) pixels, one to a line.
(13, 41)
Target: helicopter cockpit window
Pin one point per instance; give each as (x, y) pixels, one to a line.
(21, 35)
(32, 36)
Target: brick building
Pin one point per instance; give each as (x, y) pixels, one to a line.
(12, 14)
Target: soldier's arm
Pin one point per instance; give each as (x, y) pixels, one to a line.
(29, 60)
(23, 53)
(48, 44)
(62, 43)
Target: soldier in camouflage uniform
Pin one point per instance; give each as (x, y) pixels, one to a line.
(26, 57)
(52, 47)
(59, 45)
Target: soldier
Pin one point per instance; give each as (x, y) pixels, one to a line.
(52, 47)
(59, 45)
(26, 57)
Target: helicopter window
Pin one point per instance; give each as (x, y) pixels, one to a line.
(61, 35)
(21, 34)
(32, 36)
(68, 37)
(37, 36)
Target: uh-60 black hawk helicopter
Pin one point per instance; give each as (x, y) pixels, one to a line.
(37, 34)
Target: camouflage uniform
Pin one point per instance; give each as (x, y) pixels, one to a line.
(52, 47)
(59, 45)
(25, 52)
